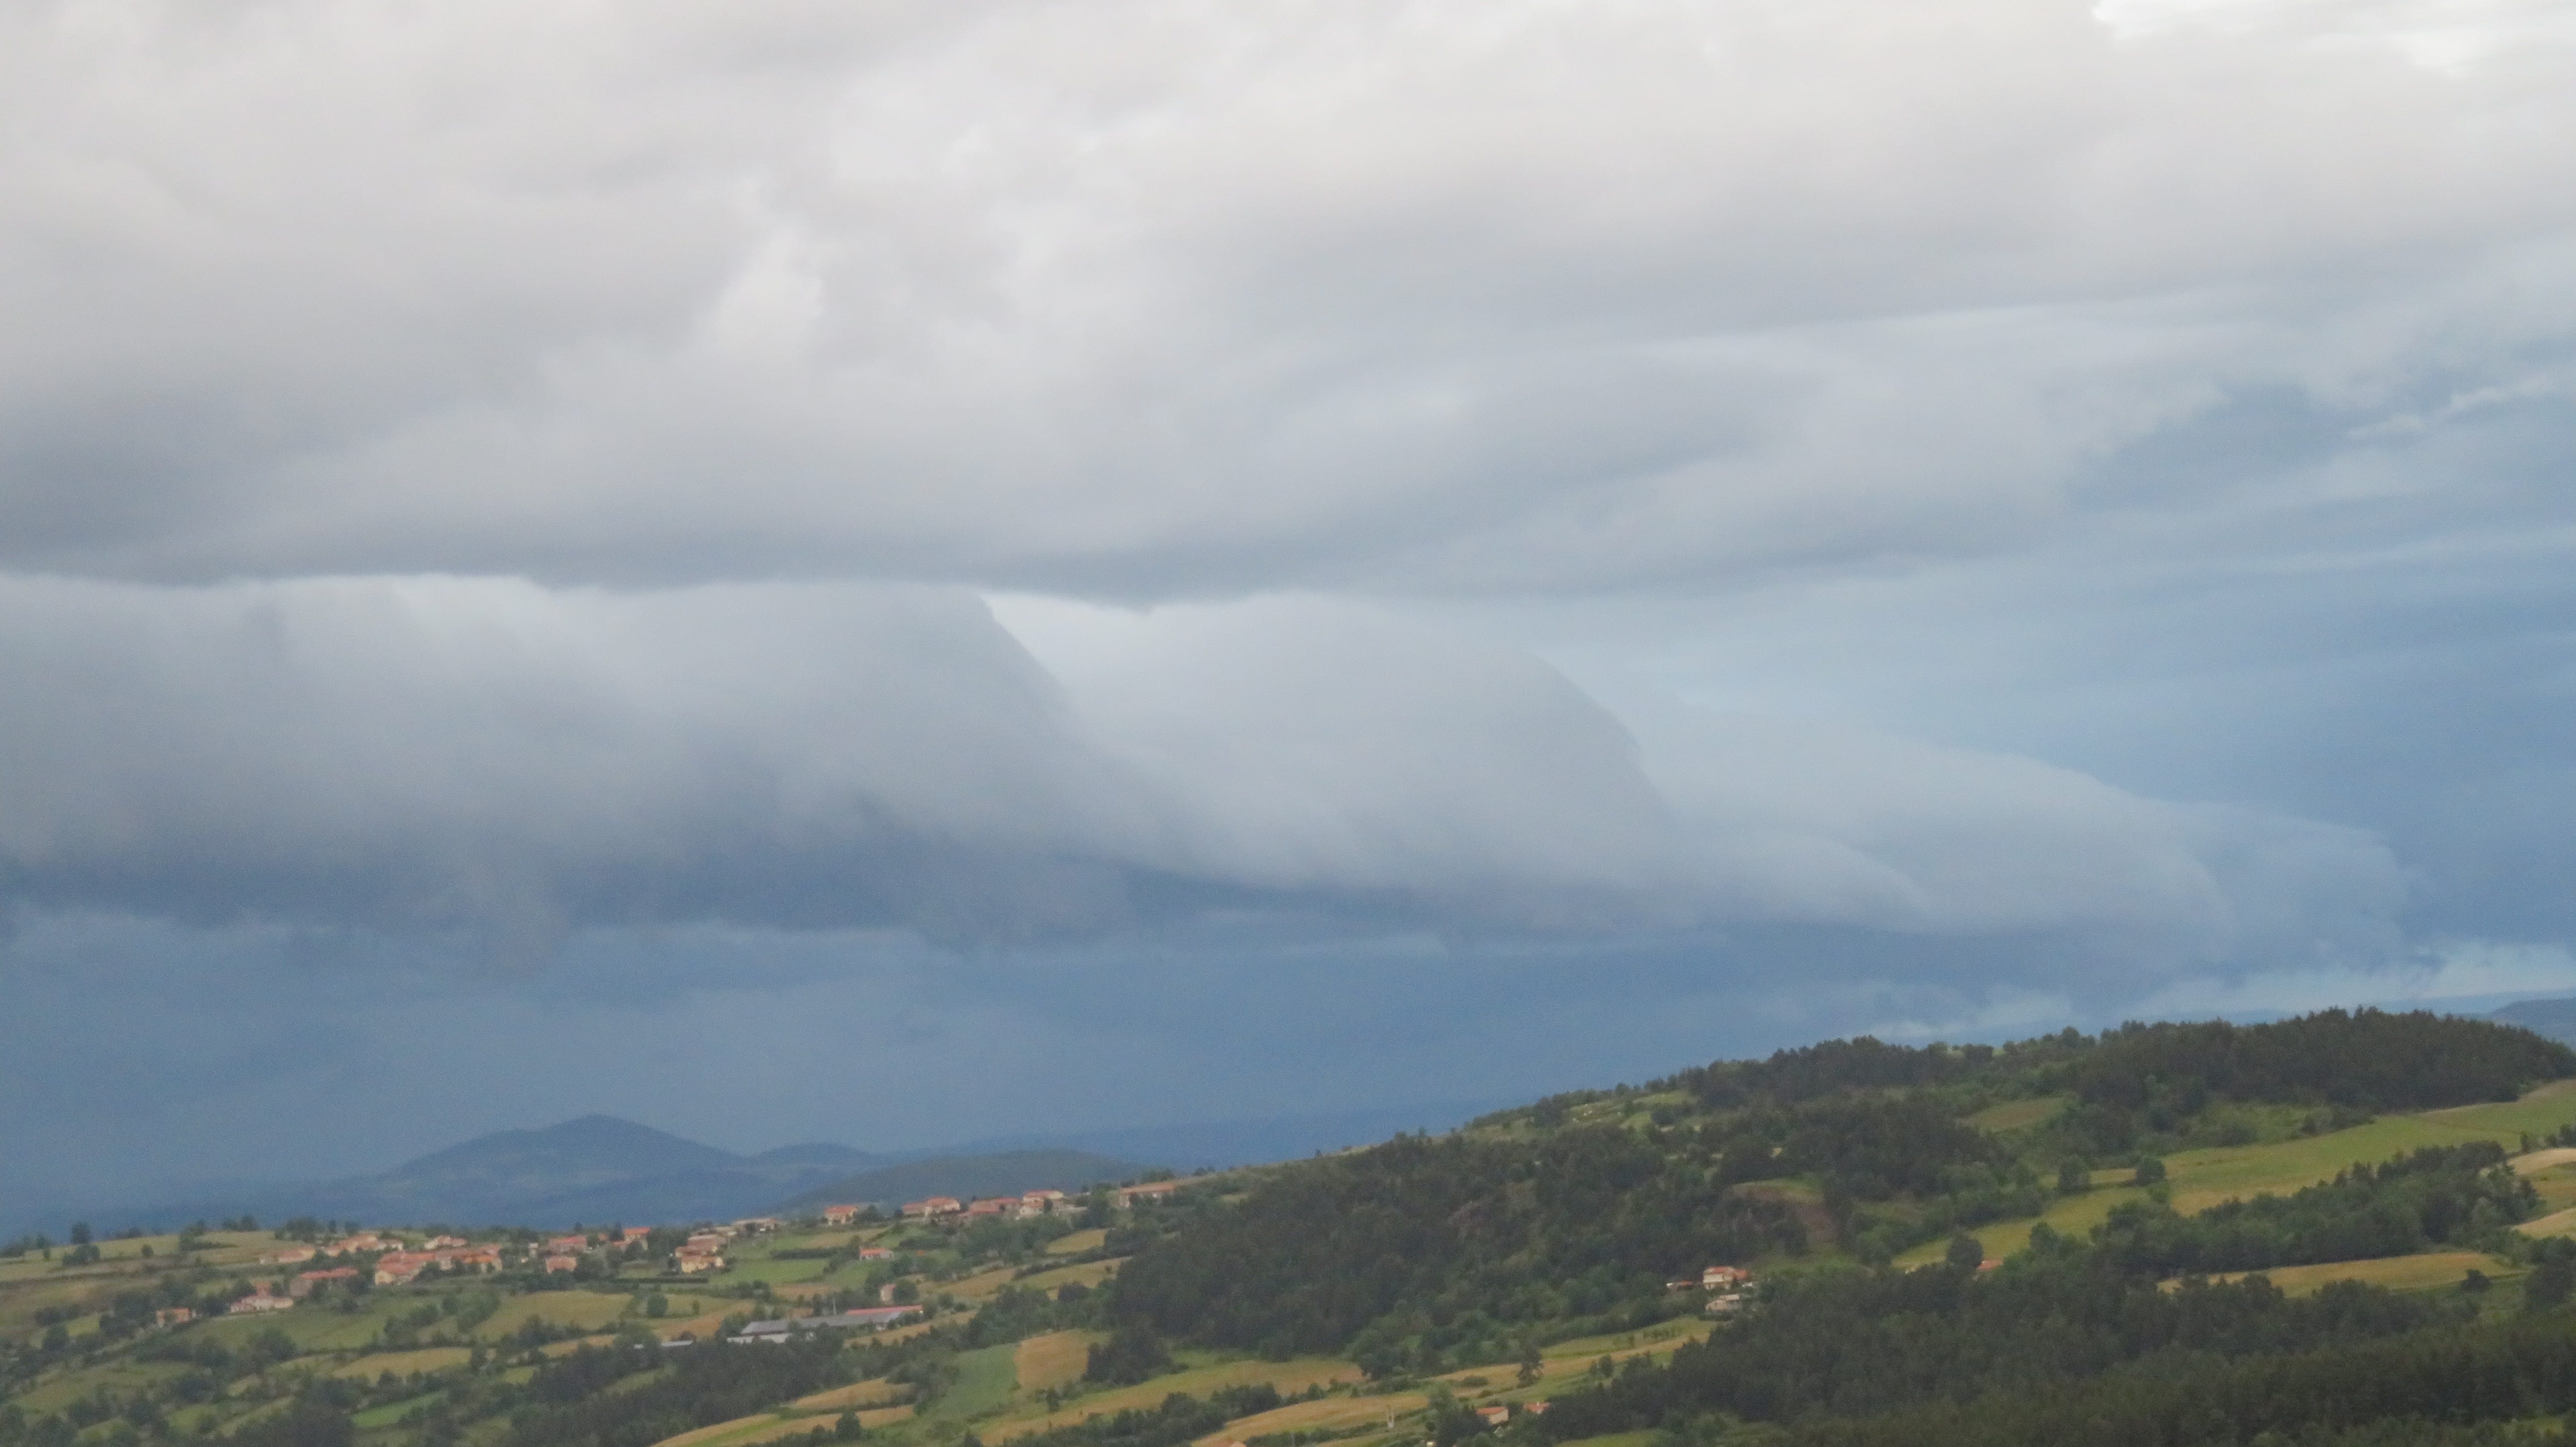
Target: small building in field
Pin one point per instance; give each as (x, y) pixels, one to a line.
(174, 1316)
(875, 1253)
(756, 1225)
(691, 1262)
(258, 1301)
(1494, 1416)
(1148, 1192)
(842, 1214)
(562, 1261)
(1724, 1278)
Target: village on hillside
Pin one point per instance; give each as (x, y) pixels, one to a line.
(361, 1259)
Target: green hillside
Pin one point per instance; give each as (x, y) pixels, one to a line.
(2149, 1229)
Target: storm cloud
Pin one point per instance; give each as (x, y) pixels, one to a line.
(1033, 529)
(433, 754)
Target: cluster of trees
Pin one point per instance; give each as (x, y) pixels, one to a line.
(2446, 1388)
(1421, 1251)
(1867, 1148)
(2364, 1059)
(1017, 1313)
(1838, 1067)
(2442, 1195)
(1856, 1343)
(2087, 1341)
(570, 1404)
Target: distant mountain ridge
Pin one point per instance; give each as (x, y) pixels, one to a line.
(2553, 1018)
(599, 1169)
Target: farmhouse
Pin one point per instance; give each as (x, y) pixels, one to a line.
(573, 1244)
(306, 1281)
(562, 1261)
(258, 1301)
(692, 1261)
(472, 1258)
(400, 1268)
(868, 1318)
(843, 1214)
(932, 1209)
(173, 1316)
(1722, 1278)
(1150, 1191)
(875, 1253)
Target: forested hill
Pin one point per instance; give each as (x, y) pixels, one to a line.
(1572, 1214)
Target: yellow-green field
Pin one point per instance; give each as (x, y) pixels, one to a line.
(874, 1393)
(1291, 1376)
(2427, 1272)
(584, 1310)
(982, 1286)
(2200, 1179)
(1328, 1414)
(1078, 1242)
(403, 1364)
(1089, 1273)
(1056, 1359)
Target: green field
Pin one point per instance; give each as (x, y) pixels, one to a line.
(580, 1310)
(986, 1378)
(776, 1273)
(2019, 1114)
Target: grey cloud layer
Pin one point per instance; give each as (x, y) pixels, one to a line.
(1156, 298)
(434, 754)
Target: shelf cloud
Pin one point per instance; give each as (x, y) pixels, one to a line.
(1483, 541)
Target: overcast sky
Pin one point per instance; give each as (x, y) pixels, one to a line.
(892, 573)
